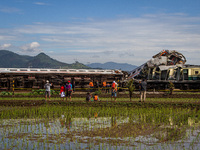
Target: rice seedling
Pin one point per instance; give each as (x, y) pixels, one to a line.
(97, 127)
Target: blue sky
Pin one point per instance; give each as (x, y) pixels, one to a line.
(88, 31)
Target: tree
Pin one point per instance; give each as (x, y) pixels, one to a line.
(171, 87)
(131, 88)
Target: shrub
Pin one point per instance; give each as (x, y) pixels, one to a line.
(4, 93)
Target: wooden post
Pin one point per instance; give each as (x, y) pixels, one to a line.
(13, 87)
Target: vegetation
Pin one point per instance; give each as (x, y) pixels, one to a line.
(4, 93)
(80, 127)
(131, 88)
(171, 88)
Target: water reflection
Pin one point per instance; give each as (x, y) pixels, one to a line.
(138, 131)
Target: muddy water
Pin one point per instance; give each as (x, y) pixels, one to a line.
(136, 130)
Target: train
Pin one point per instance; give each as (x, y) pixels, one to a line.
(183, 77)
(36, 77)
(165, 67)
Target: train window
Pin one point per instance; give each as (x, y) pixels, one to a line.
(196, 72)
(43, 70)
(72, 70)
(82, 70)
(63, 70)
(13, 69)
(53, 70)
(23, 69)
(33, 70)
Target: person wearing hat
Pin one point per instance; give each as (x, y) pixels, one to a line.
(69, 90)
(47, 90)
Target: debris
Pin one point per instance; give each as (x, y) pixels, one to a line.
(164, 60)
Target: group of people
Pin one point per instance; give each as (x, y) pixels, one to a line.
(96, 98)
(105, 86)
(90, 98)
(67, 89)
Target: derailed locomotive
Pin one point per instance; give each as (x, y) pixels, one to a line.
(168, 66)
(36, 78)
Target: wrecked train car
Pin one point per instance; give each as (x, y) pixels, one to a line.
(166, 66)
(36, 78)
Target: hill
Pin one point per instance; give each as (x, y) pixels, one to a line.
(112, 65)
(10, 59)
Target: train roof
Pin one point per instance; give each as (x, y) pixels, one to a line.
(59, 71)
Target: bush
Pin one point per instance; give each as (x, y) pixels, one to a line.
(171, 87)
(4, 93)
(38, 92)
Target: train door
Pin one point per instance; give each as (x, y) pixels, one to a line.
(156, 73)
(185, 74)
(178, 73)
(163, 74)
(150, 74)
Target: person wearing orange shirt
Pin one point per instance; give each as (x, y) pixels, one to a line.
(96, 98)
(91, 86)
(104, 86)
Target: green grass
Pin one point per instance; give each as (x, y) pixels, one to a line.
(108, 99)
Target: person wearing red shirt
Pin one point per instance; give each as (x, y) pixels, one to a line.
(62, 92)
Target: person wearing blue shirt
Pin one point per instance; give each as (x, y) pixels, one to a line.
(69, 90)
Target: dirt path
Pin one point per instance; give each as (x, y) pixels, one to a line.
(31, 103)
(24, 102)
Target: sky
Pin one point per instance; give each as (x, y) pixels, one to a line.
(99, 31)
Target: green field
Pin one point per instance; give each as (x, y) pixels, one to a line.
(99, 127)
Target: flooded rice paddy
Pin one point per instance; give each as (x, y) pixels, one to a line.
(78, 127)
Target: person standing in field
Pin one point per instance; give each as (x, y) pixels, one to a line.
(91, 86)
(114, 91)
(69, 90)
(143, 88)
(62, 92)
(47, 87)
(104, 86)
(107, 88)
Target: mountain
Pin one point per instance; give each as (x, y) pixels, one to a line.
(10, 59)
(44, 61)
(113, 65)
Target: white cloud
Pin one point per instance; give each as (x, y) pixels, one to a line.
(40, 3)
(32, 47)
(9, 10)
(131, 40)
(5, 46)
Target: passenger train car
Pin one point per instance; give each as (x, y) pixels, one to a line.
(36, 78)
